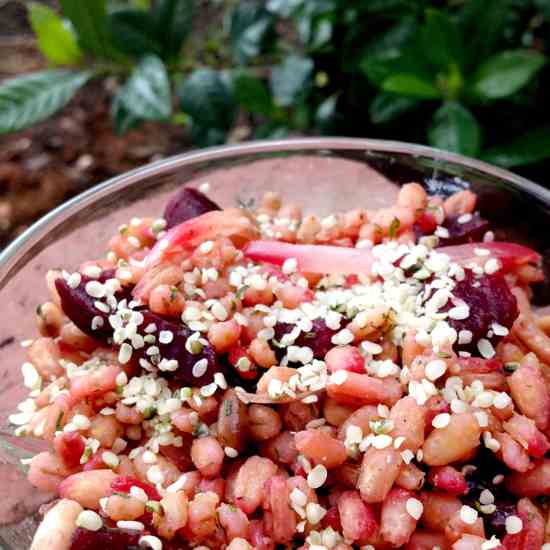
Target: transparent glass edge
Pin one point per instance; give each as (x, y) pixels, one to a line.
(24, 242)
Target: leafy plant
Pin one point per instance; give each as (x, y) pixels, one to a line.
(468, 77)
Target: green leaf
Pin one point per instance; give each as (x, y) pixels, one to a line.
(250, 25)
(395, 51)
(505, 73)
(173, 21)
(386, 107)
(410, 85)
(123, 119)
(455, 129)
(28, 99)
(290, 79)
(252, 94)
(440, 38)
(284, 8)
(89, 19)
(482, 24)
(528, 148)
(134, 32)
(146, 94)
(55, 38)
(209, 101)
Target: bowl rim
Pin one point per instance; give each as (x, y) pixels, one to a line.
(22, 244)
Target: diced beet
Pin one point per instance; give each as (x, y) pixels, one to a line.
(487, 467)
(468, 232)
(176, 350)
(318, 338)
(490, 301)
(123, 484)
(105, 538)
(80, 308)
(186, 204)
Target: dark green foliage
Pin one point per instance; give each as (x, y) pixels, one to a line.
(466, 76)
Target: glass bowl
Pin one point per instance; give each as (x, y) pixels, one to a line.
(323, 175)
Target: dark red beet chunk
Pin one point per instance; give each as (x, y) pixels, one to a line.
(104, 539)
(490, 301)
(80, 309)
(487, 467)
(176, 350)
(123, 484)
(79, 306)
(469, 232)
(188, 203)
(318, 339)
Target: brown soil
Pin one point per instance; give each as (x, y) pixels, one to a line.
(43, 166)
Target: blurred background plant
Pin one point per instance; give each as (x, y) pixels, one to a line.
(470, 76)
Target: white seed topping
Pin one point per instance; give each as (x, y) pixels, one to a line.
(231, 452)
(317, 476)
(314, 513)
(74, 280)
(111, 459)
(382, 441)
(139, 493)
(441, 420)
(81, 422)
(339, 377)
(486, 497)
(125, 353)
(131, 525)
(206, 247)
(200, 367)
(95, 289)
(150, 541)
(486, 348)
(468, 515)
(342, 338)
(513, 525)
(166, 336)
(459, 312)
(290, 266)
(414, 508)
(90, 520)
(435, 369)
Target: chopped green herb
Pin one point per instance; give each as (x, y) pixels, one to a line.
(378, 230)
(276, 343)
(246, 204)
(227, 407)
(58, 424)
(381, 426)
(394, 227)
(444, 355)
(86, 455)
(309, 335)
(240, 292)
(173, 293)
(149, 412)
(153, 506)
(511, 367)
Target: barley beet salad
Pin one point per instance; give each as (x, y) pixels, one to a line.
(261, 378)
